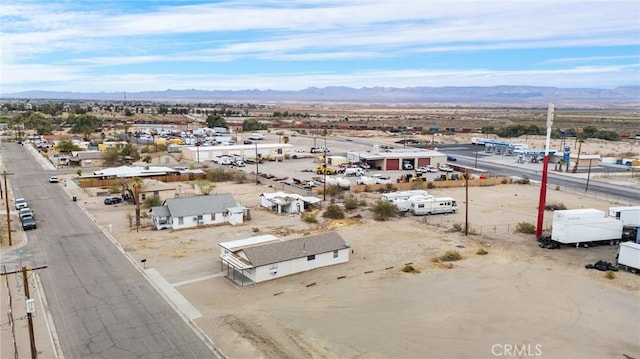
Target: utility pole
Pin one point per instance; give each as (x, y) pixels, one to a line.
(466, 203)
(257, 162)
(6, 202)
(324, 188)
(545, 167)
(30, 306)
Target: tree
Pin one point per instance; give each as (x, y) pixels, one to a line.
(128, 113)
(252, 124)
(163, 110)
(84, 124)
(37, 121)
(111, 156)
(205, 186)
(216, 121)
(66, 146)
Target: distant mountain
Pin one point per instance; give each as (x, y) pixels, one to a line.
(495, 96)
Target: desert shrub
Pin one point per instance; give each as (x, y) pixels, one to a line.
(332, 190)
(219, 175)
(152, 201)
(481, 252)
(333, 211)
(524, 180)
(457, 227)
(557, 187)
(115, 189)
(430, 185)
(240, 177)
(524, 227)
(504, 181)
(350, 203)
(609, 274)
(408, 268)
(451, 256)
(384, 210)
(255, 229)
(554, 206)
(308, 217)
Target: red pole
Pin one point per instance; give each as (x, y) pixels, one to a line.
(545, 167)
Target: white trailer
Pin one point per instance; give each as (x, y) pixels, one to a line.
(428, 206)
(342, 183)
(630, 215)
(404, 204)
(354, 171)
(579, 214)
(403, 194)
(629, 256)
(584, 233)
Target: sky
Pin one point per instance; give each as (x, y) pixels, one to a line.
(154, 45)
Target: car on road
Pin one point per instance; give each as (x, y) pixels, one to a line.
(20, 203)
(112, 200)
(445, 168)
(28, 223)
(348, 139)
(25, 212)
(451, 159)
(53, 179)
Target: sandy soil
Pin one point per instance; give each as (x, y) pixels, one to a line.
(517, 294)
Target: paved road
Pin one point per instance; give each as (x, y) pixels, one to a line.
(502, 165)
(101, 304)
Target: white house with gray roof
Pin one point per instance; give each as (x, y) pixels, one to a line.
(188, 212)
(258, 259)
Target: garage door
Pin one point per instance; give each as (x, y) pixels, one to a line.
(393, 164)
(424, 161)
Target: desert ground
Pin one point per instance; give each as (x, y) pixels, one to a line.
(517, 294)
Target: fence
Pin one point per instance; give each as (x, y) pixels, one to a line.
(481, 229)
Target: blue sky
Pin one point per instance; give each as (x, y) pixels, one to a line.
(146, 45)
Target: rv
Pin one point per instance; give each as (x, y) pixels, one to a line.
(427, 206)
(404, 204)
(391, 196)
(256, 136)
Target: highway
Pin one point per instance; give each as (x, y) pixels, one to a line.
(101, 304)
(504, 166)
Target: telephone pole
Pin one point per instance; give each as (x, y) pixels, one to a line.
(30, 306)
(6, 202)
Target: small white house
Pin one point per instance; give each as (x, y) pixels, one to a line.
(289, 203)
(262, 258)
(188, 212)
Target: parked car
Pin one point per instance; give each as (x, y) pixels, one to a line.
(445, 168)
(112, 200)
(425, 169)
(20, 203)
(25, 212)
(407, 166)
(53, 179)
(28, 223)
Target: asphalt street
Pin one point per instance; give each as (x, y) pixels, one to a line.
(101, 304)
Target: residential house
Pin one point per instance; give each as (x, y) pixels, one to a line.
(155, 188)
(290, 203)
(189, 212)
(262, 258)
(87, 159)
(161, 159)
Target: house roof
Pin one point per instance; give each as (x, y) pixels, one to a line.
(160, 211)
(284, 250)
(127, 171)
(194, 206)
(88, 155)
(284, 198)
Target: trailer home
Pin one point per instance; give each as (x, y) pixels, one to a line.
(428, 206)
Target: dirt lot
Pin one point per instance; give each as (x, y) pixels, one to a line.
(517, 294)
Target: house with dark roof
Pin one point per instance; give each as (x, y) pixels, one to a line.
(258, 259)
(189, 212)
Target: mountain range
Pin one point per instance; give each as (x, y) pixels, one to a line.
(494, 96)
